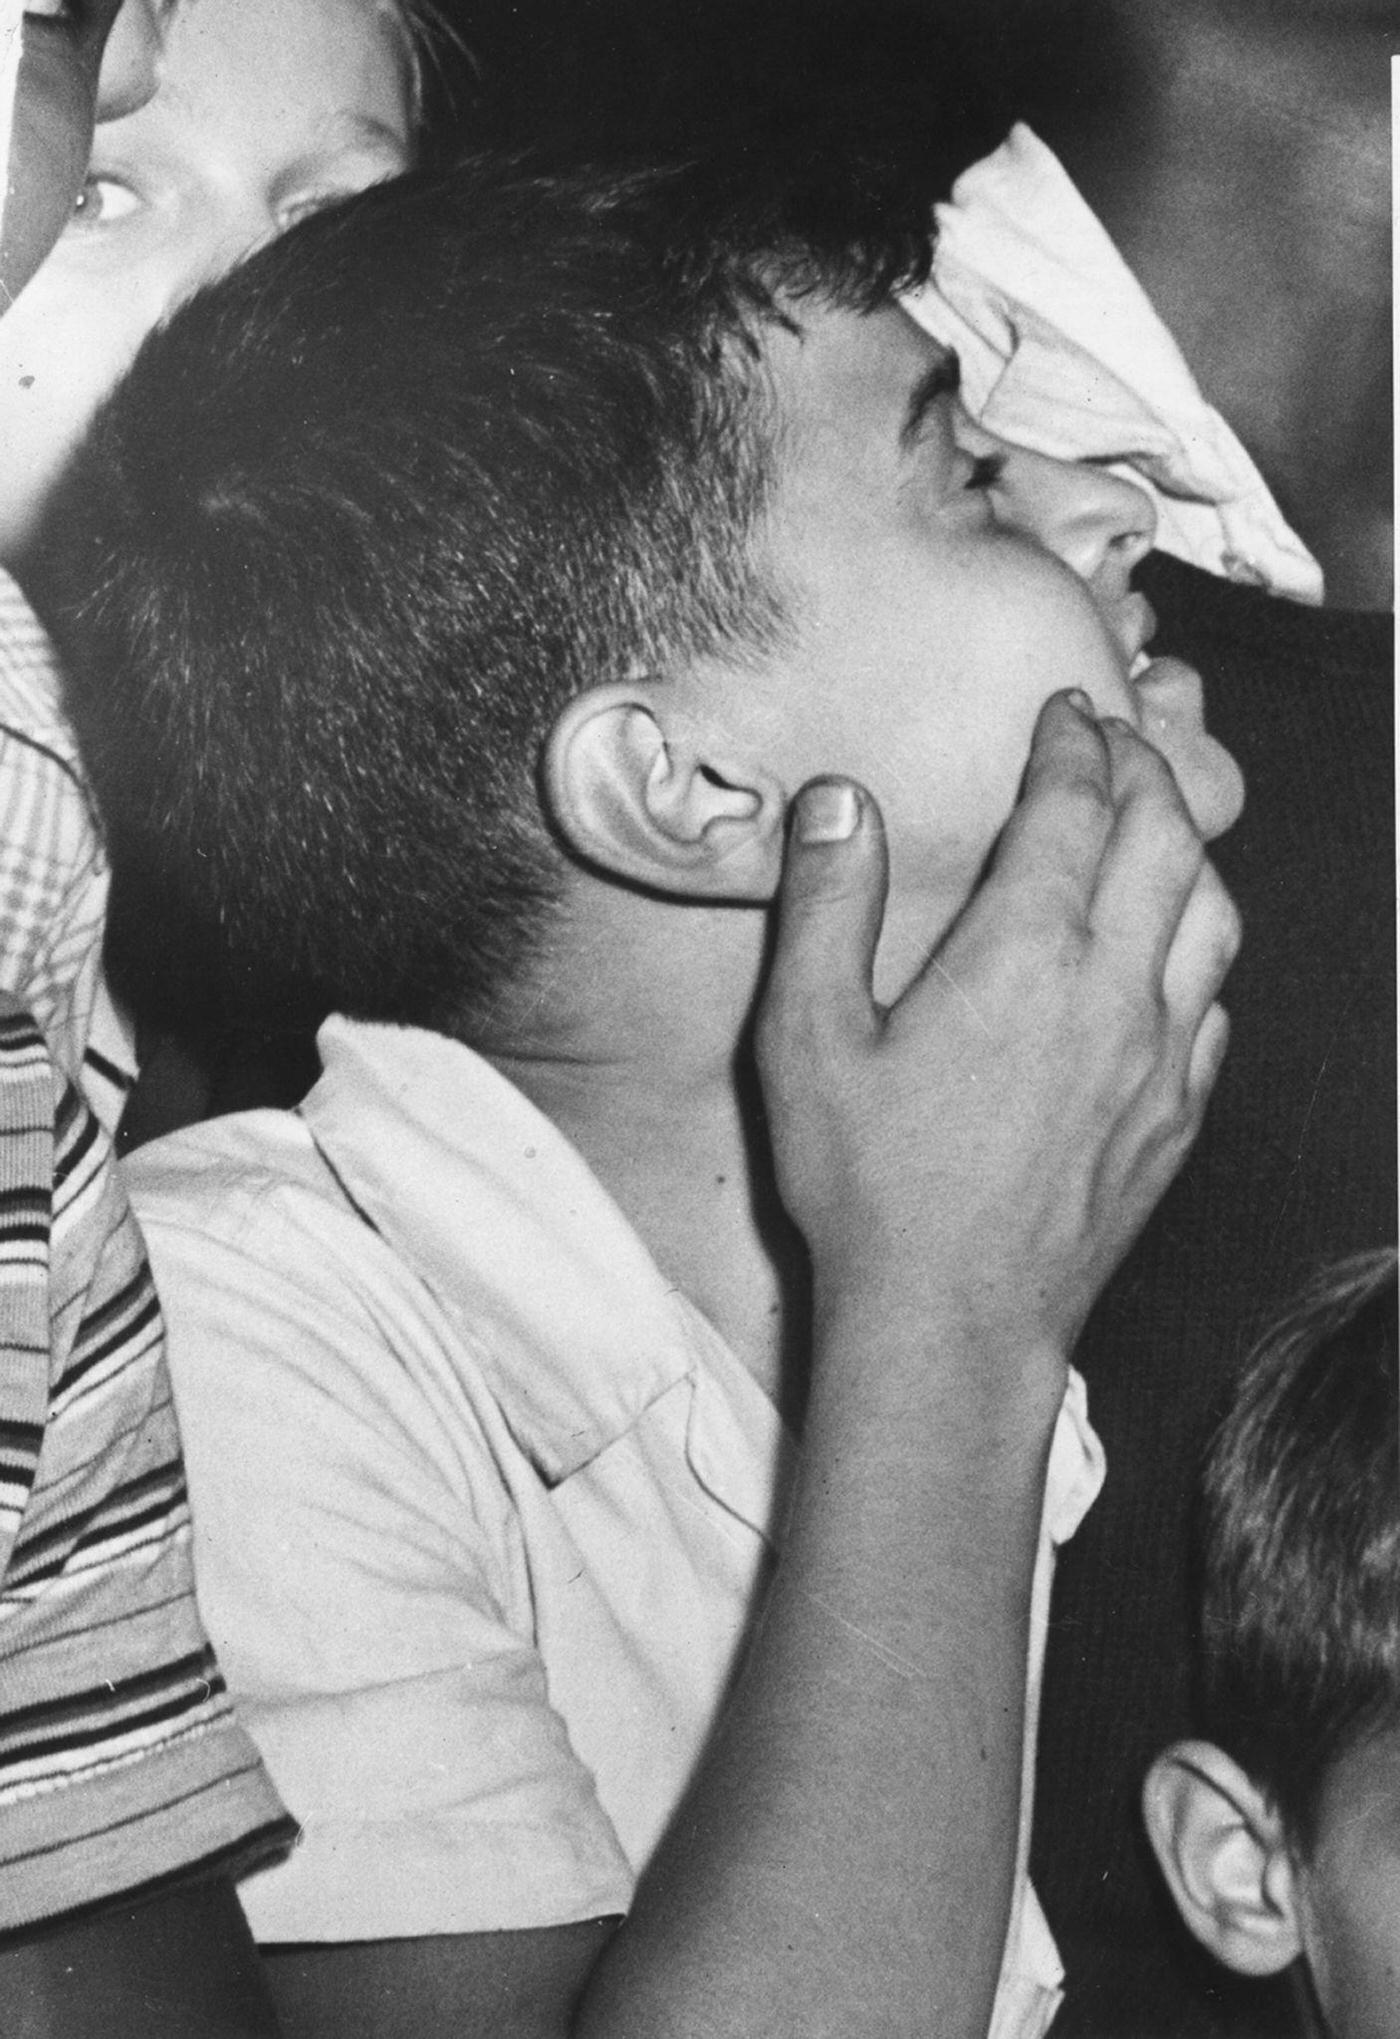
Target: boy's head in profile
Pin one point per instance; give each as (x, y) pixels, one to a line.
(479, 573)
(1279, 1830)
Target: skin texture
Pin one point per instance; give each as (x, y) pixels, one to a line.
(182, 1964)
(266, 109)
(1348, 1894)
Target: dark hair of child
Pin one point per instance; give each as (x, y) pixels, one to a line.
(1300, 1545)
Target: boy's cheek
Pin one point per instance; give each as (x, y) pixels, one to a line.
(1351, 1895)
(1354, 1956)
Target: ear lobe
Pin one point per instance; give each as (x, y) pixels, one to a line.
(648, 804)
(1221, 1847)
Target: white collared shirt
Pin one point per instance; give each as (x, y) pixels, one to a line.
(483, 1505)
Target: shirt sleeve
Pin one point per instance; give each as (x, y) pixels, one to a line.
(366, 1581)
(122, 1768)
(54, 876)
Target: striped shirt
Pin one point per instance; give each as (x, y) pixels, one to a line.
(122, 1768)
(53, 870)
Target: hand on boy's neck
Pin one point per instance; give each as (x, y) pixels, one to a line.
(633, 1036)
(632, 1030)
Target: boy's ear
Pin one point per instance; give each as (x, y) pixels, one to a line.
(1221, 1847)
(645, 796)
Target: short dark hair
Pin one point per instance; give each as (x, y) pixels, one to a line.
(371, 509)
(1300, 1544)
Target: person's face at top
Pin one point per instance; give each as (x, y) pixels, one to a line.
(941, 584)
(265, 110)
(79, 58)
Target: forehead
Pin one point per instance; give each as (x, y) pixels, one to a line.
(845, 375)
(843, 479)
(285, 63)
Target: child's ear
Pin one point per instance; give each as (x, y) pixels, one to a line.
(636, 791)
(1221, 1847)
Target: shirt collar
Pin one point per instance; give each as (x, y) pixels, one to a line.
(568, 1315)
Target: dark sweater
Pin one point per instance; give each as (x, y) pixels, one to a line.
(1296, 1164)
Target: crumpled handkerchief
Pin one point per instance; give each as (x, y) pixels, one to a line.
(1062, 352)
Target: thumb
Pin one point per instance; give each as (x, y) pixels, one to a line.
(830, 907)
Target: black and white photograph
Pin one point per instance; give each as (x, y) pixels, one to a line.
(697, 1020)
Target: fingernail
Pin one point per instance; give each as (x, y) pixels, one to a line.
(826, 812)
(1077, 698)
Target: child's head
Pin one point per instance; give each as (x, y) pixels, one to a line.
(501, 512)
(1279, 1832)
(265, 110)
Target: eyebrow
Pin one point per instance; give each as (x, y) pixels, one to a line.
(941, 378)
(350, 129)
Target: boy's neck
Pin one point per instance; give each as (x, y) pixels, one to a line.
(640, 1060)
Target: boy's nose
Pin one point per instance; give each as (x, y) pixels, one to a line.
(1097, 523)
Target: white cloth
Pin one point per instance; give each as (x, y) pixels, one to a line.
(1062, 352)
(483, 1506)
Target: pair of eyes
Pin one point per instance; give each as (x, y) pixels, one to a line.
(108, 201)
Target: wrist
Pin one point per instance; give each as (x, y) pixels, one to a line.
(905, 1349)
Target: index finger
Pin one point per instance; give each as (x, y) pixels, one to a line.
(1055, 840)
(1153, 858)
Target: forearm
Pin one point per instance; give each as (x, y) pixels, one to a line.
(845, 1860)
(176, 1965)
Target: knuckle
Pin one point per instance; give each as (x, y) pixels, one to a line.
(1176, 840)
(1084, 799)
(1151, 780)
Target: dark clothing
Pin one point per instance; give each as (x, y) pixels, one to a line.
(1296, 1165)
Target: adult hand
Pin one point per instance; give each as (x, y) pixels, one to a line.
(995, 1139)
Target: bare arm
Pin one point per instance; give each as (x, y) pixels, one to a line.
(173, 1967)
(967, 1167)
